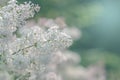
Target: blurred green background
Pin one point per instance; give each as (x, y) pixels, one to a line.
(99, 21)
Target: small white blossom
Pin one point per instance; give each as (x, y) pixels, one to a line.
(20, 62)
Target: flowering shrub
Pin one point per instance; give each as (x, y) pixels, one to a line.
(25, 52)
(64, 64)
(36, 52)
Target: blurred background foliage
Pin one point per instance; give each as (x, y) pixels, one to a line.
(99, 21)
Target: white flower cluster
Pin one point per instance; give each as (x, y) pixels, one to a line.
(26, 52)
(64, 65)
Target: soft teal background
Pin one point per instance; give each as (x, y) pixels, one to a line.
(99, 21)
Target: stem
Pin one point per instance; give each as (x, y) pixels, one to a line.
(23, 49)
